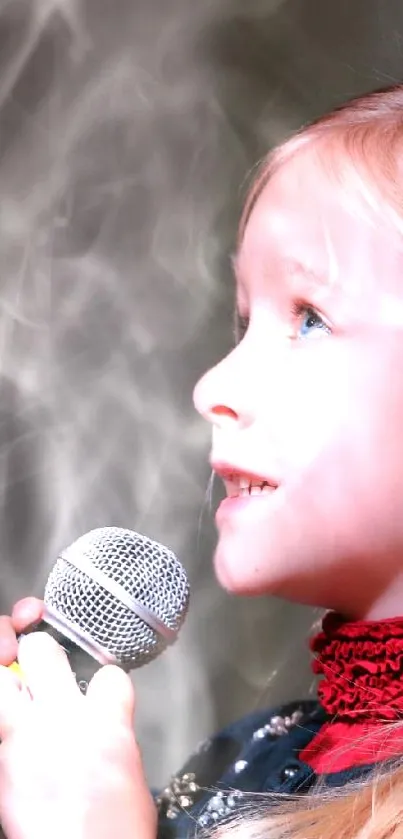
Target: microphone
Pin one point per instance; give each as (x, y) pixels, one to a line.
(113, 597)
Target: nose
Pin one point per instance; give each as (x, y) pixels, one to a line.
(220, 397)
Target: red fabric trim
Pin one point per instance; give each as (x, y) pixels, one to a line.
(362, 665)
(339, 745)
(362, 688)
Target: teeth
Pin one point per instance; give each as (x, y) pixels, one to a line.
(243, 486)
(259, 490)
(240, 486)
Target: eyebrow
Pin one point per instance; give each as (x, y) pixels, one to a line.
(294, 268)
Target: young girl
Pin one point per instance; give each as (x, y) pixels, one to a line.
(307, 419)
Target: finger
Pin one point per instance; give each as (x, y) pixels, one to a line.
(112, 694)
(13, 701)
(8, 641)
(46, 670)
(26, 612)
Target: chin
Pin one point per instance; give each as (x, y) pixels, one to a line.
(228, 574)
(239, 577)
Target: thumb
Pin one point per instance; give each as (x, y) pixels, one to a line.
(112, 693)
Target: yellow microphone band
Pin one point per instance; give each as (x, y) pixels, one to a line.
(15, 667)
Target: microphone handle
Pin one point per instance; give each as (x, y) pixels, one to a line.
(82, 664)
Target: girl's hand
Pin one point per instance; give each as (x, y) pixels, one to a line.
(25, 613)
(69, 764)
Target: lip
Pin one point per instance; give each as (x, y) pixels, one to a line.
(226, 471)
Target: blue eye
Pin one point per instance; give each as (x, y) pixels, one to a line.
(309, 320)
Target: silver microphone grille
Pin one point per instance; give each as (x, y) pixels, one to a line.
(126, 593)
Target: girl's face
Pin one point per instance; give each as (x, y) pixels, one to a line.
(310, 403)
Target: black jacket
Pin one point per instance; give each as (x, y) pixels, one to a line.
(259, 753)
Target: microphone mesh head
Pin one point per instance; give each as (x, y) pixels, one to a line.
(148, 571)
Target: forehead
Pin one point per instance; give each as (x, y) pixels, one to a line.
(310, 217)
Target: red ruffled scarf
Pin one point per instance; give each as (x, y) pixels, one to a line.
(361, 690)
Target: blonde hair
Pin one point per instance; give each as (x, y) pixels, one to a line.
(362, 141)
(369, 810)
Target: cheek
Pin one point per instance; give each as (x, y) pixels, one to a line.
(340, 404)
(350, 447)
(312, 408)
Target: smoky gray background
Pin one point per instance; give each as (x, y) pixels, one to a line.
(128, 129)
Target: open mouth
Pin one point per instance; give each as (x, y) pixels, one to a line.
(239, 485)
